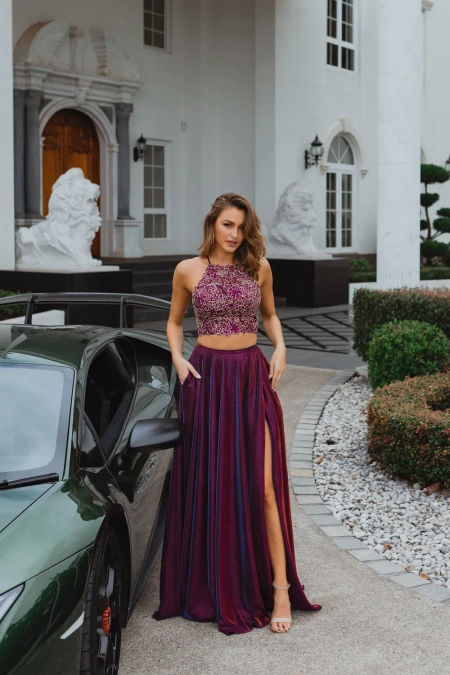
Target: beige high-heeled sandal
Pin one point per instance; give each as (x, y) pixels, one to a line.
(283, 619)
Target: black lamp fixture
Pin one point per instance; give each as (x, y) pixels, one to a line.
(140, 148)
(315, 152)
(447, 164)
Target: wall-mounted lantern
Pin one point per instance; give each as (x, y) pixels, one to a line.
(313, 155)
(140, 148)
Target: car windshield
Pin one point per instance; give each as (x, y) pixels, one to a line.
(34, 416)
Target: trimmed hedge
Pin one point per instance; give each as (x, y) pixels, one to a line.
(11, 311)
(373, 308)
(400, 349)
(435, 272)
(409, 428)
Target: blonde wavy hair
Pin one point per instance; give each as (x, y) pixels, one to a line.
(252, 248)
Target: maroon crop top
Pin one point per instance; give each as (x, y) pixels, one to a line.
(226, 300)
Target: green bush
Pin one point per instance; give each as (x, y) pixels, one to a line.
(409, 428)
(358, 277)
(11, 311)
(436, 272)
(361, 270)
(373, 308)
(400, 349)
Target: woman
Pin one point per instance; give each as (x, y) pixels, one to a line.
(228, 552)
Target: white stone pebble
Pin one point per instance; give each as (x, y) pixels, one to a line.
(396, 519)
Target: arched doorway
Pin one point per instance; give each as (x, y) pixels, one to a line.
(340, 195)
(70, 140)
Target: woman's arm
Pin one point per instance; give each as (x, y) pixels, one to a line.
(181, 297)
(272, 325)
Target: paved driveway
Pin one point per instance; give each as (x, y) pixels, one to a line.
(368, 625)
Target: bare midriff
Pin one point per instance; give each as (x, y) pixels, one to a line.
(237, 341)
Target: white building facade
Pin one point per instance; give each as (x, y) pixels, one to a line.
(228, 94)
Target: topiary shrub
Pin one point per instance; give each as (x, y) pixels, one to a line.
(11, 311)
(409, 428)
(373, 308)
(400, 349)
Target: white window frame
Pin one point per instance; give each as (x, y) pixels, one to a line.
(167, 49)
(167, 201)
(339, 41)
(340, 170)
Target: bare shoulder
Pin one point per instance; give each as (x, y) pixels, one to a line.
(265, 269)
(188, 266)
(189, 270)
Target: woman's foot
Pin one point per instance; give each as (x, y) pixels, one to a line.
(281, 615)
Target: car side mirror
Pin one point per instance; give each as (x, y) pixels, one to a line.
(155, 434)
(149, 436)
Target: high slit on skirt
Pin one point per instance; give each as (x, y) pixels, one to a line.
(215, 562)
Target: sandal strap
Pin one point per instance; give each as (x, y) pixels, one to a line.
(282, 620)
(281, 588)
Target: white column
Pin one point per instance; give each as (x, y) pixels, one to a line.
(399, 133)
(7, 256)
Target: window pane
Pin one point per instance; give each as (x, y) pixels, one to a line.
(160, 225)
(158, 6)
(148, 226)
(347, 33)
(158, 40)
(332, 54)
(148, 37)
(348, 58)
(332, 8)
(158, 177)
(158, 198)
(148, 159)
(148, 20)
(148, 198)
(158, 23)
(158, 159)
(148, 5)
(148, 176)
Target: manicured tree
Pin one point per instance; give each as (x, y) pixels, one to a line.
(431, 174)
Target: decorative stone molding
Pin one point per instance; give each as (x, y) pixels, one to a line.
(427, 5)
(94, 66)
(346, 128)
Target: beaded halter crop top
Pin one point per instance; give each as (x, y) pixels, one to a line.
(226, 300)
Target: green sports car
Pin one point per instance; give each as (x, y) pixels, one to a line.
(87, 427)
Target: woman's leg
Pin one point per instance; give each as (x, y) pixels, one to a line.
(282, 606)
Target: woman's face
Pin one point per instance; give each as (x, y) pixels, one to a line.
(229, 229)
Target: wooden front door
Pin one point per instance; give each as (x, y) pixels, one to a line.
(70, 140)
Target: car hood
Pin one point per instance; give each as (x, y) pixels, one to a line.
(50, 527)
(13, 502)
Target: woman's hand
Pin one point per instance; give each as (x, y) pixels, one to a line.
(183, 368)
(277, 365)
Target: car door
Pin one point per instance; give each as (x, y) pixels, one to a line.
(143, 482)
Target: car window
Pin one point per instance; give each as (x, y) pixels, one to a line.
(34, 417)
(109, 392)
(155, 366)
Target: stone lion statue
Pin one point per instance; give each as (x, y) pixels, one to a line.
(291, 231)
(63, 240)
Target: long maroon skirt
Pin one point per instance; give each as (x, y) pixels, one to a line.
(215, 560)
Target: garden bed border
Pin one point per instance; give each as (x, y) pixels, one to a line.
(307, 495)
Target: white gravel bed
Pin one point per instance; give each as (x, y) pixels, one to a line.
(397, 519)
